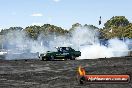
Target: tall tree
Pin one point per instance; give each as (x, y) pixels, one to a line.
(117, 21)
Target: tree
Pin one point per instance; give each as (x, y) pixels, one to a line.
(91, 26)
(116, 21)
(11, 29)
(76, 25)
(47, 29)
(128, 31)
(117, 26)
(32, 31)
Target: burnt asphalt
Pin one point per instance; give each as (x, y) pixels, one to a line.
(60, 74)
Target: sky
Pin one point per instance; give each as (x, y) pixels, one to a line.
(63, 13)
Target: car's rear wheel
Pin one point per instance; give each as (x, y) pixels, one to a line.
(43, 59)
(51, 58)
(72, 57)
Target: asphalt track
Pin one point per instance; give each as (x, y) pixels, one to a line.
(60, 74)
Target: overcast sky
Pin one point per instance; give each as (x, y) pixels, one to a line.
(61, 13)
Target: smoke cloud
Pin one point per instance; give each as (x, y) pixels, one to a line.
(91, 48)
(86, 40)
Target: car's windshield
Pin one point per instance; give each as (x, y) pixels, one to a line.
(63, 49)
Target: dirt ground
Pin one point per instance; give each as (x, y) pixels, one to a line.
(60, 74)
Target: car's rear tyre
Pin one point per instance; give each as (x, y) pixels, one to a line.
(43, 59)
(72, 57)
(51, 58)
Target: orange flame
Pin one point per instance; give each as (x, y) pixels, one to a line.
(81, 71)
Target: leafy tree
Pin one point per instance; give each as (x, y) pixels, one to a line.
(32, 31)
(47, 29)
(11, 29)
(117, 26)
(116, 21)
(128, 31)
(90, 26)
(76, 25)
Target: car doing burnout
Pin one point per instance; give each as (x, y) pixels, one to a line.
(63, 53)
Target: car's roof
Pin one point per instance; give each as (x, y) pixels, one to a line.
(64, 47)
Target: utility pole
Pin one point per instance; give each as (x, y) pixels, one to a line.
(78, 42)
(100, 20)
